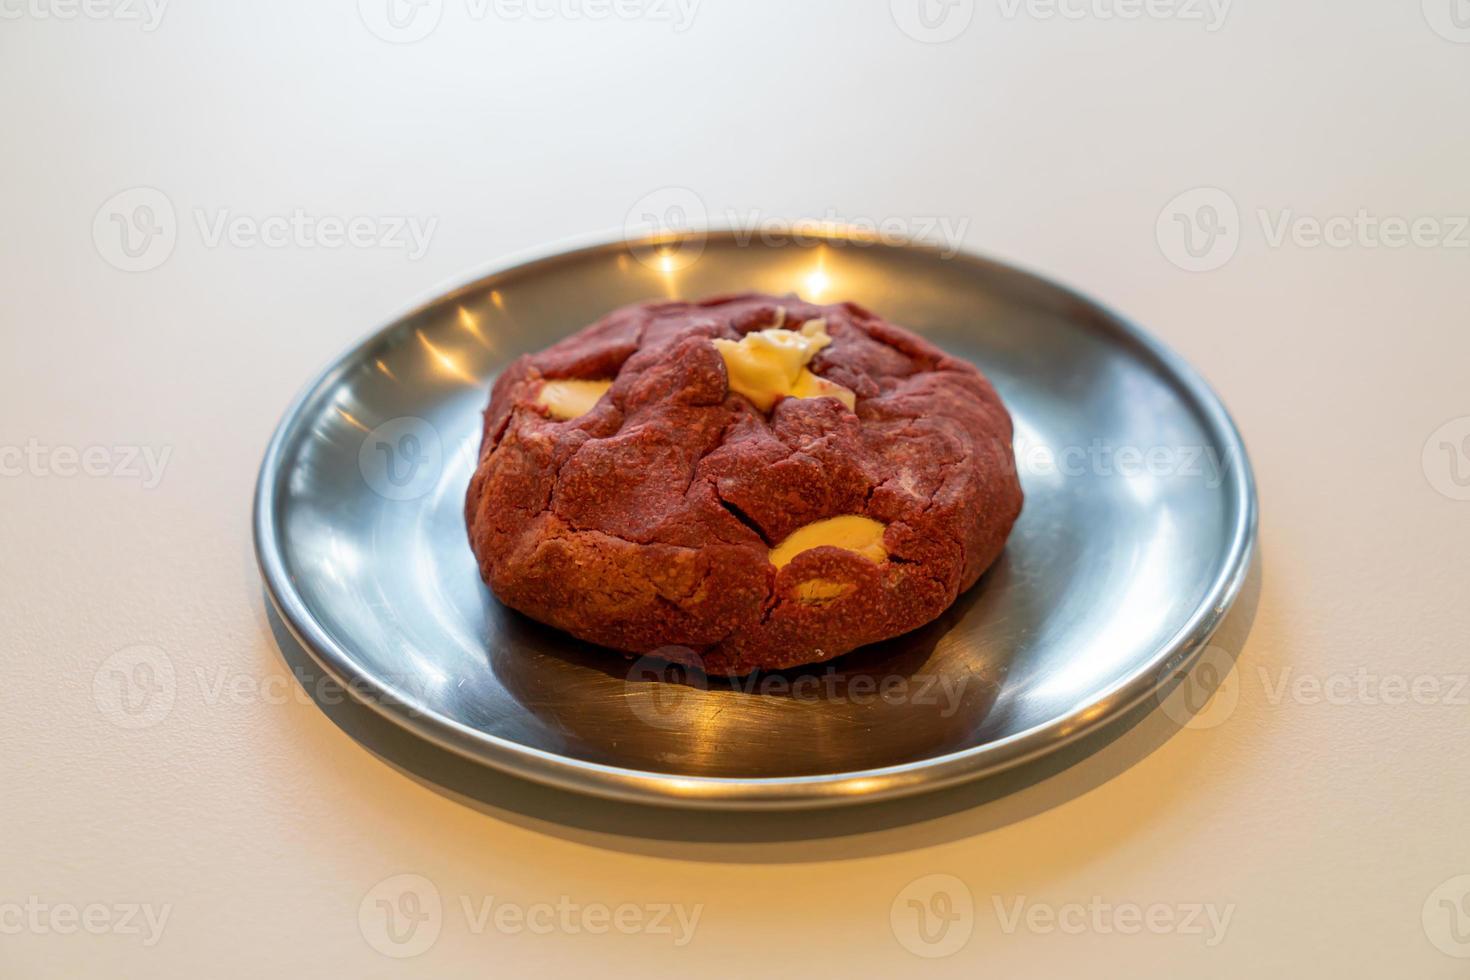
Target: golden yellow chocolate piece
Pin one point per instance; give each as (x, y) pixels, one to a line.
(850, 533)
(568, 399)
(769, 364)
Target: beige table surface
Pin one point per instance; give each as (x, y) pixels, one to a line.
(1312, 821)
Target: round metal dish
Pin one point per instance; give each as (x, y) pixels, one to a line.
(1137, 532)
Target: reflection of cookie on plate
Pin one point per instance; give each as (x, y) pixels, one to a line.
(747, 482)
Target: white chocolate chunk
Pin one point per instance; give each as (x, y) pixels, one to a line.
(569, 399)
(767, 365)
(850, 532)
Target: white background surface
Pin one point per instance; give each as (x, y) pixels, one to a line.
(1321, 823)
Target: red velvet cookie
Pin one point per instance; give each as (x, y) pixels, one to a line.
(689, 479)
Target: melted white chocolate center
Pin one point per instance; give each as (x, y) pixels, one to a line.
(768, 365)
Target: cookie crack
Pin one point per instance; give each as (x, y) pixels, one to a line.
(741, 516)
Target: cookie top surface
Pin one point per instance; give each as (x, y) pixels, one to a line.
(760, 480)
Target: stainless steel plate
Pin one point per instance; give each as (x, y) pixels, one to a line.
(1138, 527)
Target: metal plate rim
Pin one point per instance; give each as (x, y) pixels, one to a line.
(768, 793)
